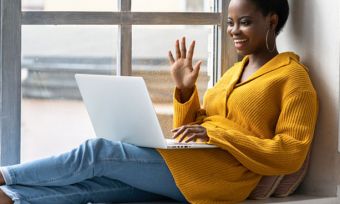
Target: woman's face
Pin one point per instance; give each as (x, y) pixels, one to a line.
(247, 27)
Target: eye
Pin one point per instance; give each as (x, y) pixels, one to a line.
(245, 22)
(230, 23)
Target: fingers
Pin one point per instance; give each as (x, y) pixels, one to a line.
(197, 68)
(183, 48)
(179, 131)
(191, 50)
(178, 53)
(187, 130)
(171, 58)
(175, 130)
(194, 137)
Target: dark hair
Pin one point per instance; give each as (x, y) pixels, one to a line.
(279, 7)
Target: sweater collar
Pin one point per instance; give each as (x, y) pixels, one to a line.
(276, 62)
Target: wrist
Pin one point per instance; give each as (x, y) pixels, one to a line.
(185, 93)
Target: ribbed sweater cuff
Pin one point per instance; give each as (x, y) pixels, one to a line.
(185, 112)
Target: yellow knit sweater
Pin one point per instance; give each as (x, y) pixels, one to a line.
(263, 126)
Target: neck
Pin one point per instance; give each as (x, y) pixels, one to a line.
(257, 60)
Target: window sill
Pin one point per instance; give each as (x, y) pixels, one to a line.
(296, 199)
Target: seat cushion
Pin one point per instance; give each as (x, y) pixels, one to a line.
(265, 188)
(290, 182)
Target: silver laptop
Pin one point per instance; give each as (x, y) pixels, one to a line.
(120, 109)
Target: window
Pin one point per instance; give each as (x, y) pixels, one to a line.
(53, 116)
(55, 39)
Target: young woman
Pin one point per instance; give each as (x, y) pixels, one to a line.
(261, 114)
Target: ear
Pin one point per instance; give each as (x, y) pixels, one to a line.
(273, 21)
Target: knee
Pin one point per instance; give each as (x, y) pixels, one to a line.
(99, 149)
(96, 145)
(91, 148)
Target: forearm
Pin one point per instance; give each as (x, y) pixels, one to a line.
(282, 154)
(186, 112)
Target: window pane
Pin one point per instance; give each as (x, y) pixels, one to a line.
(54, 119)
(173, 5)
(150, 50)
(69, 5)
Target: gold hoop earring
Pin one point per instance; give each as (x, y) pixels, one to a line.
(267, 44)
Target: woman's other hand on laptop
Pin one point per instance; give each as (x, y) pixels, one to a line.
(188, 133)
(183, 72)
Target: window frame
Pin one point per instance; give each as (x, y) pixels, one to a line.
(12, 18)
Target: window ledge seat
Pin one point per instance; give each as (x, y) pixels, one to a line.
(296, 199)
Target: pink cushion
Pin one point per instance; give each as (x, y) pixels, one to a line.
(265, 187)
(290, 182)
(279, 186)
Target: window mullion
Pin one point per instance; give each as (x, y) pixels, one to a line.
(10, 81)
(70, 18)
(124, 51)
(124, 5)
(175, 18)
(228, 55)
(117, 18)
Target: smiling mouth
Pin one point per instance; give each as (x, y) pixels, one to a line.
(240, 41)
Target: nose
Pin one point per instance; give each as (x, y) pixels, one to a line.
(234, 30)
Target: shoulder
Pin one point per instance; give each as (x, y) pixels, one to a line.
(296, 78)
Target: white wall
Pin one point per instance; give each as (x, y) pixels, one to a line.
(313, 31)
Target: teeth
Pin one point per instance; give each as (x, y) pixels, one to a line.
(240, 41)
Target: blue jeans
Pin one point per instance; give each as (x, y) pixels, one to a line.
(97, 171)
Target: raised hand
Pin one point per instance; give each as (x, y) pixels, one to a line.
(182, 71)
